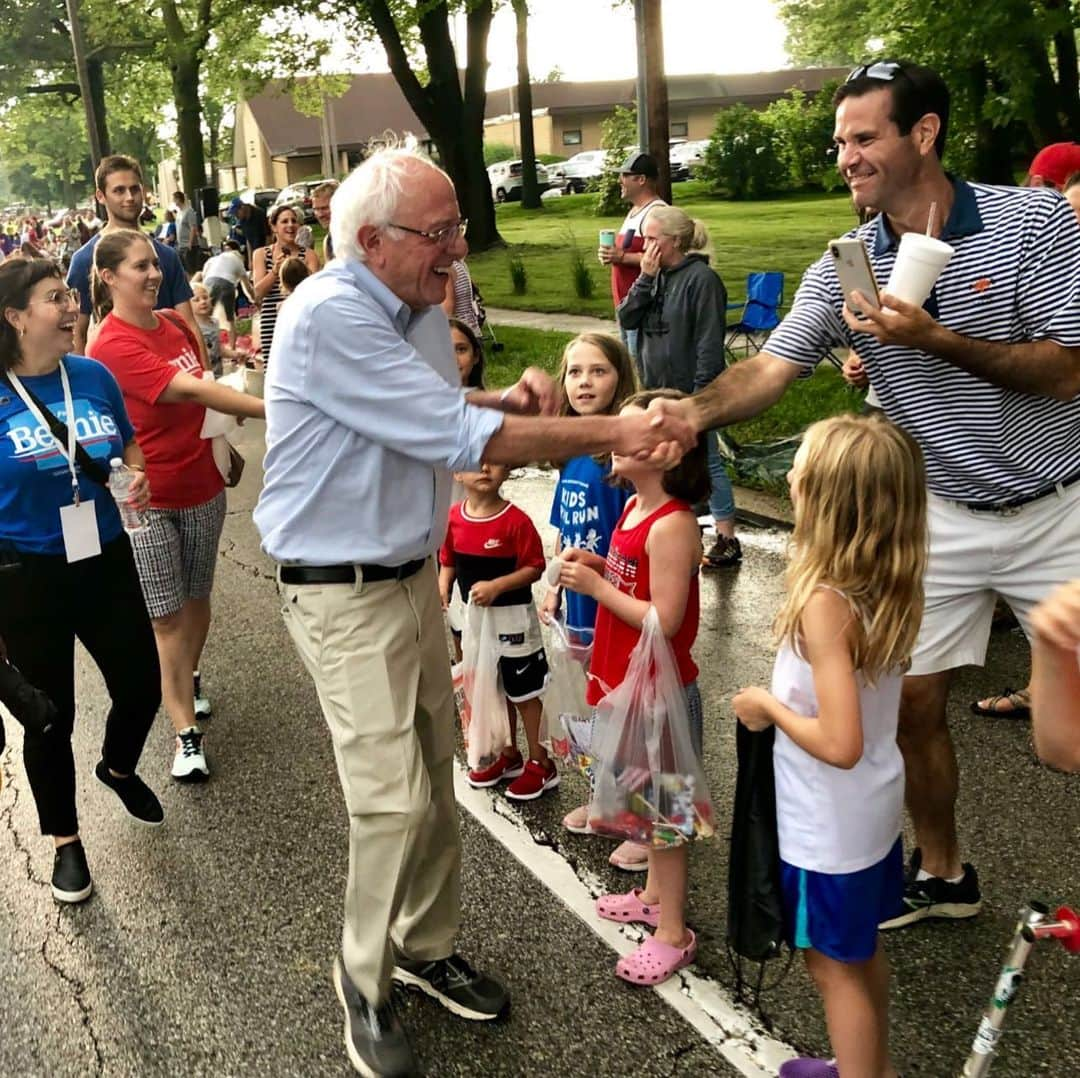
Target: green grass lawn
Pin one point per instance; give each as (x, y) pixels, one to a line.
(784, 234)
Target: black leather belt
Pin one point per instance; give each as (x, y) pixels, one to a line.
(1026, 499)
(346, 574)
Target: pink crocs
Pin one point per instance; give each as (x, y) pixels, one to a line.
(628, 908)
(654, 962)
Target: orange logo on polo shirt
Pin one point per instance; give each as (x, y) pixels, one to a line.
(981, 285)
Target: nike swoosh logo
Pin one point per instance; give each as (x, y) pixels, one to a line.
(521, 671)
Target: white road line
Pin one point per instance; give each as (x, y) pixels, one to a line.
(698, 1000)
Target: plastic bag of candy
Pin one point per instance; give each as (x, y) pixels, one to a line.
(649, 786)
(484, 722)
(569, 718)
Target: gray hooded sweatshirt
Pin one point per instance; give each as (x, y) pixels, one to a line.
(681, 313)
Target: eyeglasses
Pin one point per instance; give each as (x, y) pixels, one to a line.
(442, 236)
(883, 70)
(62, 297)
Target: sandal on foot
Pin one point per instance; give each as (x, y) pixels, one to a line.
(654, 962)
(1019, 705)
(808, 1067)
(577, 821)
(628, 908)
(630, 857)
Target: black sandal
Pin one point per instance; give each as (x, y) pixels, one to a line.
(1019, 701)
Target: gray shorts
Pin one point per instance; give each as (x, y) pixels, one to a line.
(176, 554)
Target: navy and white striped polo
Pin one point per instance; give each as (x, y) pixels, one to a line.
(1015, 277)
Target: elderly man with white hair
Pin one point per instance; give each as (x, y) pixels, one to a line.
(366, 421)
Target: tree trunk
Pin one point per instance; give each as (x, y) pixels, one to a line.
(96, 77)
(1044, 121)
(453, 121)
(530, 186)
(993, 145)
(185, 68)
(1068, 80)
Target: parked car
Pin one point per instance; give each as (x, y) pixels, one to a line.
(688, 155)
(298, 195)
(263, 197)
(505, 177)
(574, 174)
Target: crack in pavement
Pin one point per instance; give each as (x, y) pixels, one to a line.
(225, 550)
(56, 930)
(76, 985)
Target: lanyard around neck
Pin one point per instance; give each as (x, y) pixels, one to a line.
(69, 418)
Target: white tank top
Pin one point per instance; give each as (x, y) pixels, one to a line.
(829, 819)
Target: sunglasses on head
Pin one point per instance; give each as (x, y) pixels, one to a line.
(883, 70)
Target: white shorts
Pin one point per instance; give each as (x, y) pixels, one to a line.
(1021, 555)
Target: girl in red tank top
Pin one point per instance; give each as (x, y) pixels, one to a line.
(653, 560)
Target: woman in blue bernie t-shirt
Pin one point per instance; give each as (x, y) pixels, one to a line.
(66, 569)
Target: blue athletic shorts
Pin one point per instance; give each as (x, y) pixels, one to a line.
(839, 915)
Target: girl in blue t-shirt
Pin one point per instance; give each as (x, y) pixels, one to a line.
(596, 375)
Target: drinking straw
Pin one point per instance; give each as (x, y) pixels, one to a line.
(930, 220)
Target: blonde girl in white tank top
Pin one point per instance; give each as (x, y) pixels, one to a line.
(846, 631)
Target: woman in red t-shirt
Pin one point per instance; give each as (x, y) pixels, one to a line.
(653, 561)
(155, 358)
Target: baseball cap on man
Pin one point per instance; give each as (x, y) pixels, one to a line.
(234, 206)
(1056, 163)
(641, 164)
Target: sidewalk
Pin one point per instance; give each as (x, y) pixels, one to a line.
(567, 323)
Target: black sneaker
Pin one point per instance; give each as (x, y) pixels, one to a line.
(935, 898)
(71, 874)
(374, 1038)
(139, 800)
(456, 985)
(723, 554)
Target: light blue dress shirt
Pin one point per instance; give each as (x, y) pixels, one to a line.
(365, 421)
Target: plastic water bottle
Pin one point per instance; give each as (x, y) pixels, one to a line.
(120, 479)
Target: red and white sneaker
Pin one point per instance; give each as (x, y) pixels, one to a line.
(537, 778)
(502, 770)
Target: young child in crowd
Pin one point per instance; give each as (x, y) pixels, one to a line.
(653, 560)
(292, 271)
(211, 332)
(493, 551)
(846, 631)
(469, 354)
(596, 375)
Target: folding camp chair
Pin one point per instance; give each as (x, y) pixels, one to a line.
(760, 312)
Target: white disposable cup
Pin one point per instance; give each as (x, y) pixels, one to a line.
(551, 574)
(918, 265)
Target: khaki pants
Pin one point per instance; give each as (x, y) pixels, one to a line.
(377, 653)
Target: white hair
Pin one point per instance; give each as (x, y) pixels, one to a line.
(370, 195)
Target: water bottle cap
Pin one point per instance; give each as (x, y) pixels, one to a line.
(116, 462)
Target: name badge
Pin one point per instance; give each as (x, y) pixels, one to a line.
(80, 528)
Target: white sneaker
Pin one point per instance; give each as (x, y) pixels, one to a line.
(189, 763)
(203, 710)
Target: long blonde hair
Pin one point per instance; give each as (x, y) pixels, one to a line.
(860, 527)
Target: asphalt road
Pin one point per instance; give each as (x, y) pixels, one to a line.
(207, 945)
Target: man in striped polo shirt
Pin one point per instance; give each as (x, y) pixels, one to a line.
(985, 376)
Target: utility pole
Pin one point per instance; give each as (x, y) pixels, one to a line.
(78, 46)
(642, 82)
(656, 94)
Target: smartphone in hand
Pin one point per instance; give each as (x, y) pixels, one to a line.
(854, 271)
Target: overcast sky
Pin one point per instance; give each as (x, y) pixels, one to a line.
(591, 39)
(587, 39)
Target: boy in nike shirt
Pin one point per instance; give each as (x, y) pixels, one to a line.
(493, 550)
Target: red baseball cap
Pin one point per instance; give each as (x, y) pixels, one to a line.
(1056, 163)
